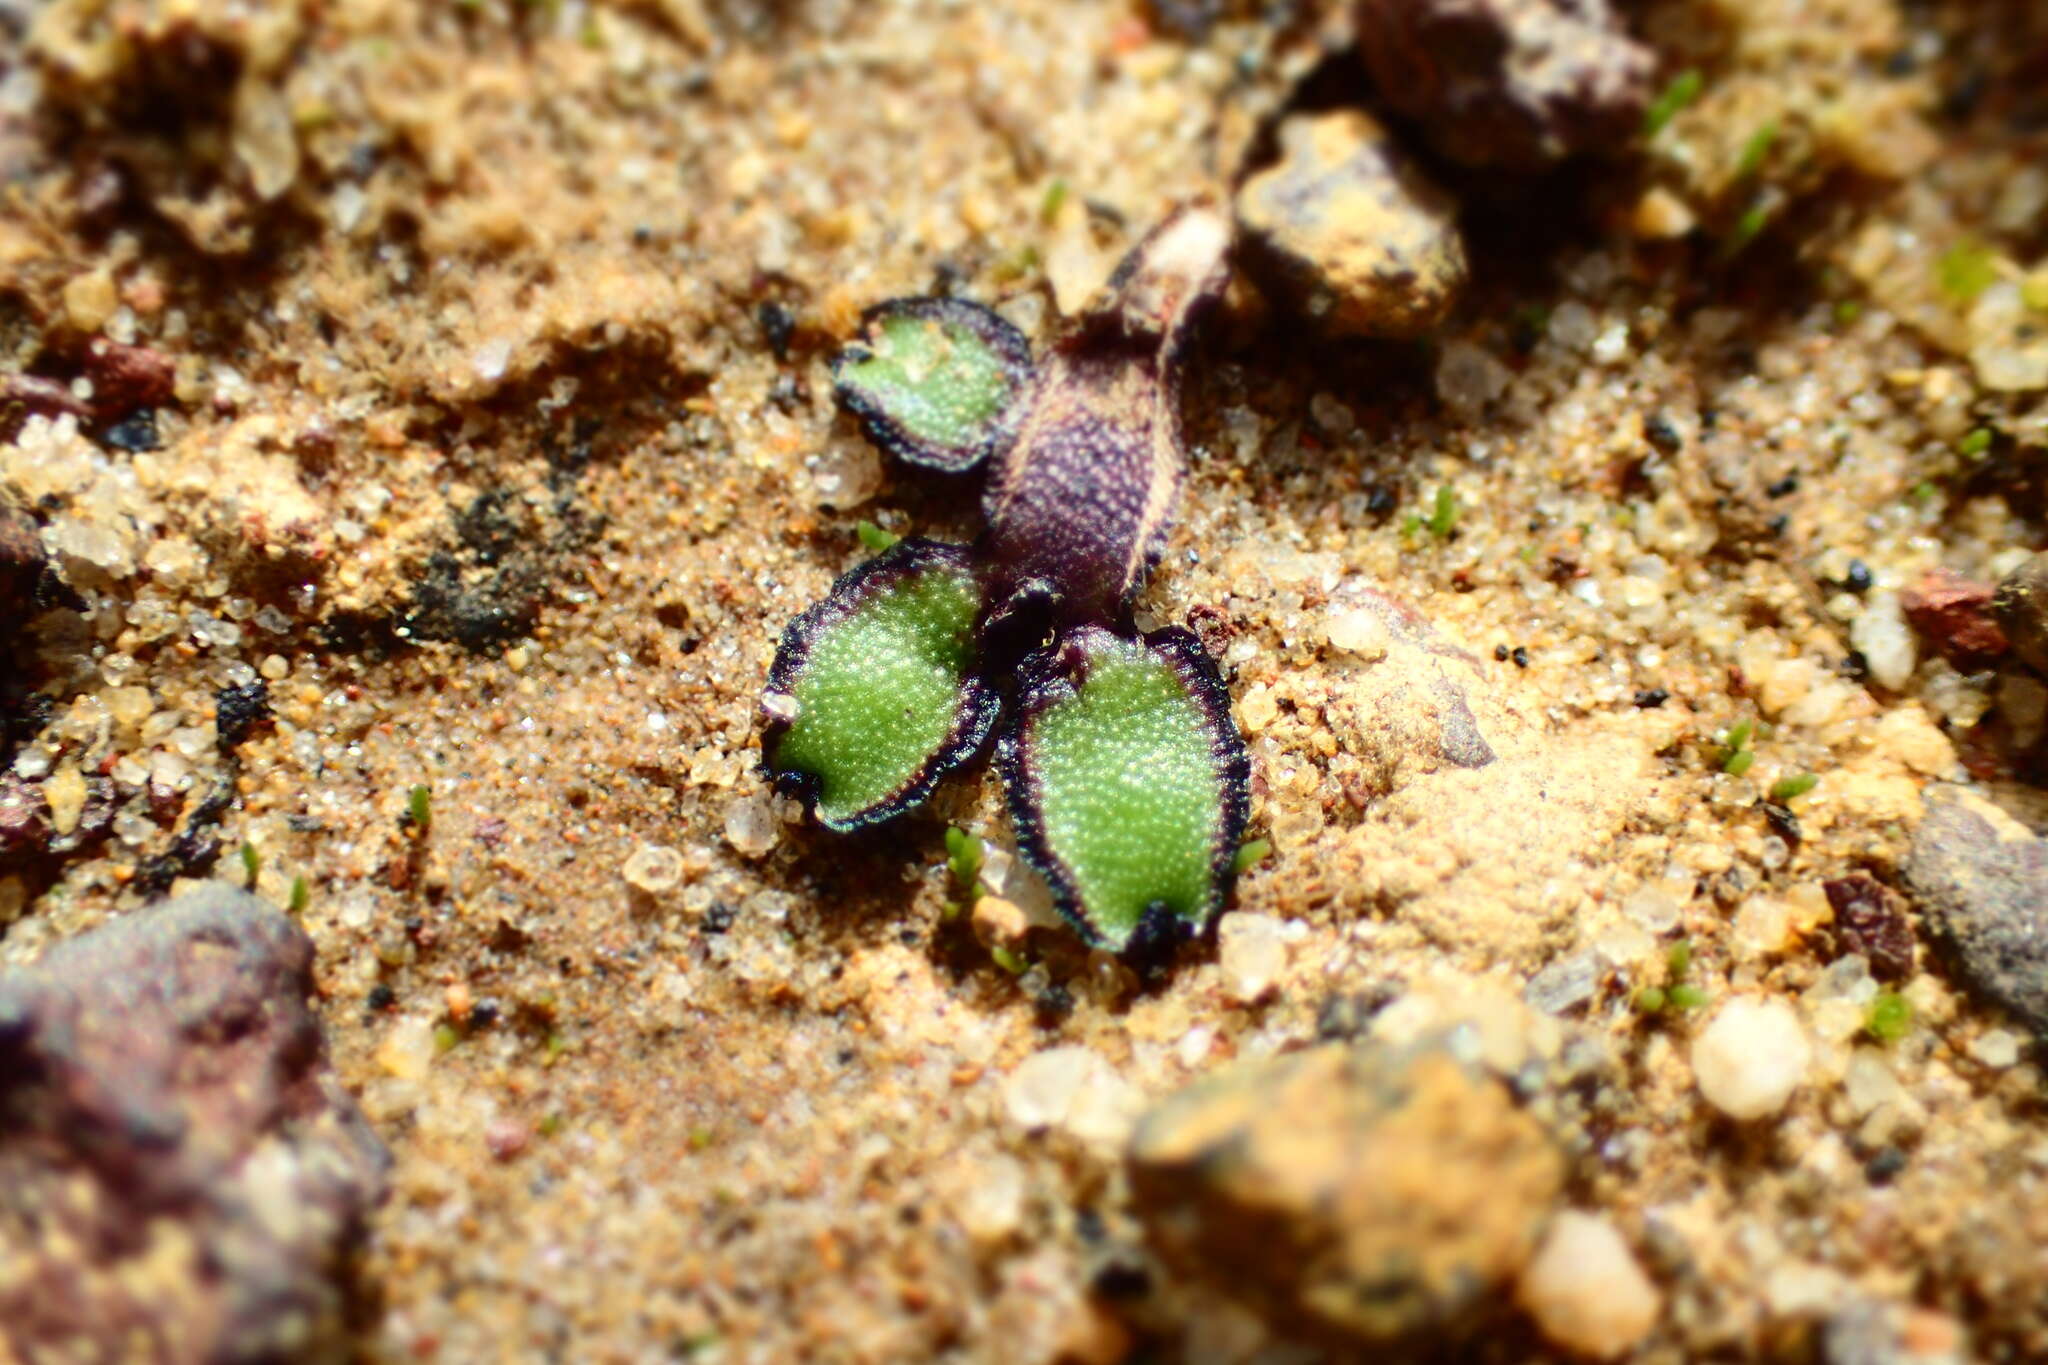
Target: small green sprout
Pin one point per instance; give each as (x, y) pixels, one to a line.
(1847, 311)
(1793, 786)
(874, 537)
(302, 895)
(1055, 199)
(700, 1138)
(419, 807)
(1007, 960)
(1443, 518)
(551, 1124)
(1966, 270)
(963, 860)
(1411, 526)
(1684, 997)
(1683, 90)
(1756, 149)
(1976, 443)
(1748, 227)
(1890, 1017)
(252, 862)
(1736, 754)
(1677, 994)
(1924, 492)
(553, 1048)
(1250, 855)
(445, 1037)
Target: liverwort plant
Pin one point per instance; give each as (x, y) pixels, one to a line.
(1127, 782)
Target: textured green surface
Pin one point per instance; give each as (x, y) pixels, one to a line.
(1128, 792)
(938, 381)
(880, 691)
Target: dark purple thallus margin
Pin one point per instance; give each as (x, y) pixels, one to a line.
(979, 702)
(995, 332)
(1053, 675)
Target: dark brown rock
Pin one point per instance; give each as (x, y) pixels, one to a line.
(2021, 609)
(1981, 878)
(1512, 83)
(1354, 1193)
(125, 378)
(181, 1177)
(1871, 919)
(1953, 613)
(21, 562)
(24, 817)
(1356, 236)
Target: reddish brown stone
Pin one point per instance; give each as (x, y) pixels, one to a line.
(1954, 614)
(181, 1176)
(1870, 918)
(125, 378)
(1512, 83)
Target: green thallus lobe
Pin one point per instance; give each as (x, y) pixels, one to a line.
(874, 695)
(934, 381)
(1127, 784)
(1126, 779)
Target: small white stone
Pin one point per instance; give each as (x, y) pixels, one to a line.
(654, 868)
(1073, 1089)
(1468, 377)
(990, 1201)
(1359, 631)
(1585, 1290)
(1880, 634)
(750, 824)
(1801, 1289)
(1869, 1082)
(1751, 1057)
(65, 792)
(1996, 1049)
(1251, 953)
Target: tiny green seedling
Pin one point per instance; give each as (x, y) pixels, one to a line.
(252, 863)
(1890, 1017)
(1250, 855)
(1966, 270)
(1683, 90)
(874, 537)
(1677, 995)
(1737, 757)
(1756, 149)
(1792, 787)
(419, 807)
(302, 895)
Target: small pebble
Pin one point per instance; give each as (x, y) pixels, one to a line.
(1870, 1081)
(1751, 1057)
(1252, 953)
(1564, 983)
(1995, 1048)
(1358, 631)
(506, 1138)
(750, 825)
(654, 868)
(1880, 634)
(1585, 1290)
